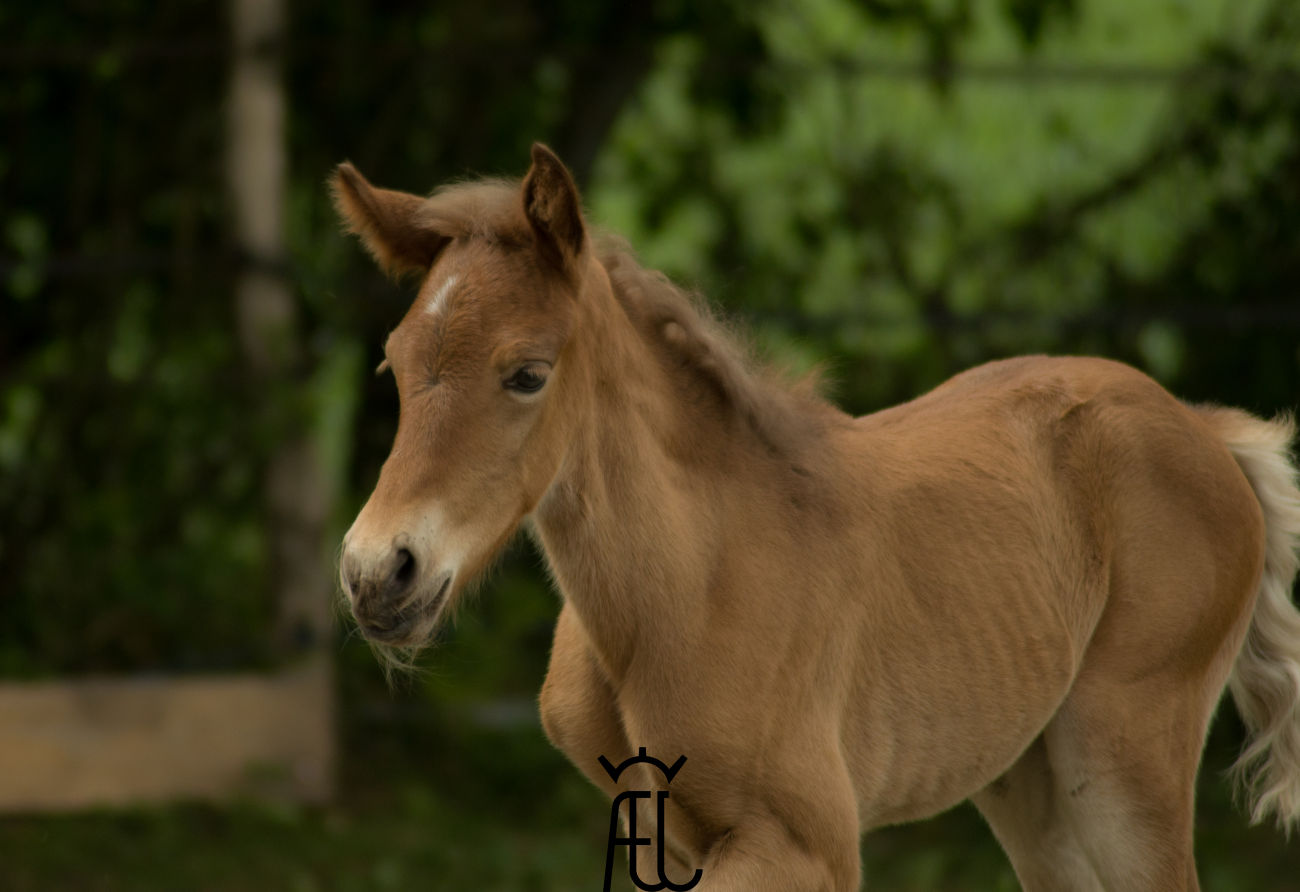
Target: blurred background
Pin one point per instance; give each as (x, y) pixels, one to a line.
(188, 420)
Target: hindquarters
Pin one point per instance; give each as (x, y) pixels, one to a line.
(1074, 555)
(1104, 798)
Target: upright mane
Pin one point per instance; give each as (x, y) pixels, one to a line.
(782, 413)
(486, 208)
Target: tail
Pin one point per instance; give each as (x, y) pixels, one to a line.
(1265, 681)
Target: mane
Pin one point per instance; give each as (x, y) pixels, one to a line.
(782, 412)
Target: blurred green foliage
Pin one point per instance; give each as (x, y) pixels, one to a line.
(129, 493)
(1101, 191)
(894, 191)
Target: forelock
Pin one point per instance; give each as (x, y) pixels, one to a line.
(488, 209)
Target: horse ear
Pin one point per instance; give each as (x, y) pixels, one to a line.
(389, 223)
(553, 207)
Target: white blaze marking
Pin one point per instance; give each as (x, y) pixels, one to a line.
(439, 296)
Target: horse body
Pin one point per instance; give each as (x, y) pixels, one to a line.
(1027, 587)
(910, 633)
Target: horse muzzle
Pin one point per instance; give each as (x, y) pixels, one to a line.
(388, 591)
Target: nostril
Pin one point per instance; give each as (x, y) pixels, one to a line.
(404, 571)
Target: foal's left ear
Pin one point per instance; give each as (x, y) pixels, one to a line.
(552, 206)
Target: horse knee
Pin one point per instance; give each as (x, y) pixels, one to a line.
(559, 715)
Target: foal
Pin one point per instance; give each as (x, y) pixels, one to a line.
(1027, 588)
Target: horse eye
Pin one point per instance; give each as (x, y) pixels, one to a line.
(528, 379)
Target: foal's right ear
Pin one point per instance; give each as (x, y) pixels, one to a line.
(389, 223)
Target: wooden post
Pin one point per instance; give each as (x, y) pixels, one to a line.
(299, 495)
(123, 741)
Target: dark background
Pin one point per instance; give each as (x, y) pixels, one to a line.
(893, 190)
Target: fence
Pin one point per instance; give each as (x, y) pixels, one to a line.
(72, 744)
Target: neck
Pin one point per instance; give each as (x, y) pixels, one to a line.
(625, 530)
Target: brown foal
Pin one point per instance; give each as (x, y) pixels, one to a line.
(1027, 588)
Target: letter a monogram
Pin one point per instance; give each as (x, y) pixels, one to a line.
(632, 840)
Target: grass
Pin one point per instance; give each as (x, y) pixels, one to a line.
(438, 804)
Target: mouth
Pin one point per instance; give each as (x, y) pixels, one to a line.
(401, 626)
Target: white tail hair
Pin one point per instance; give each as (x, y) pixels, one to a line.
(1265, 680)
